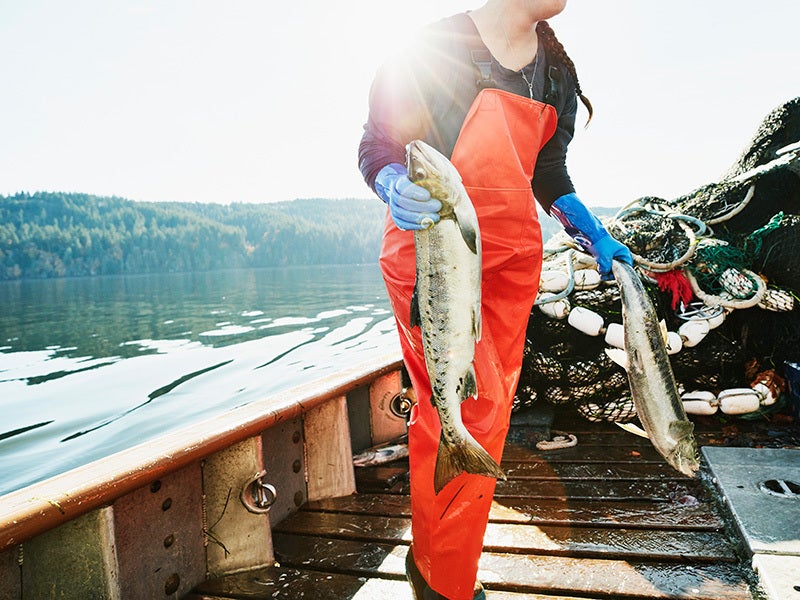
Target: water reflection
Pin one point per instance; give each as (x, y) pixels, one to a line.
(91, 366)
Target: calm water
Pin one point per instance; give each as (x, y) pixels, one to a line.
(91, 366)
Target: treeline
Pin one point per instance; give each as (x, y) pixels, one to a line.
(58, 235)
(71, 235)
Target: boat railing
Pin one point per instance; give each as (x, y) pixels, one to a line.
(198, 501)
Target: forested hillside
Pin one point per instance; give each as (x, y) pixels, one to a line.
(55, 235)
(69, 235)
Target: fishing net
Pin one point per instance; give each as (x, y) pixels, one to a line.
(729, 247)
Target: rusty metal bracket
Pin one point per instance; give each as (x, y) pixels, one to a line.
(258, 496)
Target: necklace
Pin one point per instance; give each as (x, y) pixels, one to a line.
(533, 75)
(522, 70)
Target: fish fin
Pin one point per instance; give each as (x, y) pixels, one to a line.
(634, 429)
(619, 356)
(468, 231)
(414, 318)
(469, 456)
(663, 325)
(635, 359)
(468, 387)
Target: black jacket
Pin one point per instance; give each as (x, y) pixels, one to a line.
(426, 93)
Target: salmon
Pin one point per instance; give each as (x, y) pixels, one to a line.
(447, 306)
(652, 382)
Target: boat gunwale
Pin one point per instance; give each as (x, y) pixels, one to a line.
(44, 505)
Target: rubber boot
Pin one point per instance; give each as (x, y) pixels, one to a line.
(420, 588)
(414, 577)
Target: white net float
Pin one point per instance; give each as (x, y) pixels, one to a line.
(739, 401)
(586, 321)
(615, 335)
(693, 332)
(587, 279)
(700, 402)
(557, 309)
(553, 281)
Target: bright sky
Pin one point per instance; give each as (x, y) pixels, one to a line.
(259, 101)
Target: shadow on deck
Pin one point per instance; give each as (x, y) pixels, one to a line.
(607, 519)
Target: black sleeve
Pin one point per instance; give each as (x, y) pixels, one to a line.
(398, 102)
(551, 179)
(389, 124)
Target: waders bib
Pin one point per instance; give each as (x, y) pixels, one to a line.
(495, 153)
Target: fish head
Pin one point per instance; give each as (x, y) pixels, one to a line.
(684, 454)
(430, 169)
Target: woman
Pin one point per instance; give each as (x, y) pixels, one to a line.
(494, 91)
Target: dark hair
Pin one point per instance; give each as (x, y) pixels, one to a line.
(548, 37)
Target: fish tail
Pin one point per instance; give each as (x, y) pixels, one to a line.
(453, 459)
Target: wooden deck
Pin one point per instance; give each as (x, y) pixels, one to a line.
(607, 519)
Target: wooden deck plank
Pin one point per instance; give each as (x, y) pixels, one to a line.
(668, 515)
(557, 577)
(546, 469)
(638, 544)
(395, 481)
(281, 582)
(605, 520)
(323, 585)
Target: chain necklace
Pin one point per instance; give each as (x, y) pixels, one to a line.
(522, 70)
(533, 75)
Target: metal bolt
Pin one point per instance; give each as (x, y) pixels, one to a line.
(298, 499)
(172, 584)
(296, 437)
(296, 466)
(167, 504)
(169, 540)
(155, 486)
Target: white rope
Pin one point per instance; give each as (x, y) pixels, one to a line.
(559, 441)
(730, 302)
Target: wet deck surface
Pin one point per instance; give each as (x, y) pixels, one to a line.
(607, 519)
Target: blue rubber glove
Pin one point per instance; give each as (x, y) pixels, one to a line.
(411, 205)
(586, 229)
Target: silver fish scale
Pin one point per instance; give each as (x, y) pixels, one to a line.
(446, 293)
(652, 383)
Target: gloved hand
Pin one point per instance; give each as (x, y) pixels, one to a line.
(411, 205)
(586, 229)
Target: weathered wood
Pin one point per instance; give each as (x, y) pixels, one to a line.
(562, 470)
(238, 538)
(285, 464)
(10, 577)
(556, 576)
(281, 582)
(619, 490)
(385, 425)
(583, 454)
(378, 589)
(73, 561)
(666, 515)
(358, 418)
(40, 507)
(606, 520)
(644, 544)
(158, 536)
(391, 480)
(329, 453)
(582, 470)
